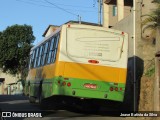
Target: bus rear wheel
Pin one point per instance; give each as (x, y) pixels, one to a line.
(42, 102)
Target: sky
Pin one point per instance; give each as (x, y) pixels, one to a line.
(42, 13)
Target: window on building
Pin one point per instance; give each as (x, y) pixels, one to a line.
(114, 10)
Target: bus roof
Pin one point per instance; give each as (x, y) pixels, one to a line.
(69, 22)
(46, 38)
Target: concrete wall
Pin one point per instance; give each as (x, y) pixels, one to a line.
(144, 47)
(114, 19)
(126, 25)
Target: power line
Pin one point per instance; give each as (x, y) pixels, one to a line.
(62, 4)
(62, 8)
(73, 5)
(32, 3)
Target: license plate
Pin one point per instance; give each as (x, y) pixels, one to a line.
(90, 86)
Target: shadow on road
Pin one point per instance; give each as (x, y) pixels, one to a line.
(5, 98)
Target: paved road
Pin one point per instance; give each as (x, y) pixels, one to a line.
(18, 103)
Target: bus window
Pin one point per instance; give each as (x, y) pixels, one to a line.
(33, 57)
(54, 50)
(36, 57)
(39, 57)
(45, 52)
(57, 39)
(51, 49)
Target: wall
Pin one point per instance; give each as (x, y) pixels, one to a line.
(144, 47)
(126, 25)
(114, 19)
(8, 79)
(144, 41)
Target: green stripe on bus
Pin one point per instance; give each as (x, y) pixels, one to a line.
(58, 86)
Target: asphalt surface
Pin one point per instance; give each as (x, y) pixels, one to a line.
(19, 106)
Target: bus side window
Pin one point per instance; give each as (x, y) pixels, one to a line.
(39, 57)
(33, 58)
(41, 61)
(36, 56)
(54, 50)
(51, 49)
(45, 52)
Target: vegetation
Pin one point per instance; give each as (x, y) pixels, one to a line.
(150, 72)
(15, 44)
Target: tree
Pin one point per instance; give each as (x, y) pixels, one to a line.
(153, 22)
(15, 44)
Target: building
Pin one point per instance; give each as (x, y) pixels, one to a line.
(141, 44)
(2, 85)
(116, 10)
(15, 88)
(126, 15)
(5, 79)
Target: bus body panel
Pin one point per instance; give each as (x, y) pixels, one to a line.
(75, 76)
(94, 72)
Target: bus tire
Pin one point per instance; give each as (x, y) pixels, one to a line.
(41, 102)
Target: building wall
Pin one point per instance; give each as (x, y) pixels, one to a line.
(114, 19)
(126, 25)
(1, 88)
(144, 47)
(8, 79)
(146, 9)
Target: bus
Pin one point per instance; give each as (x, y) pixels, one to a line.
(78, 62)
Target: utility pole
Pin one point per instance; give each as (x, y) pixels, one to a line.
(99, 11)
